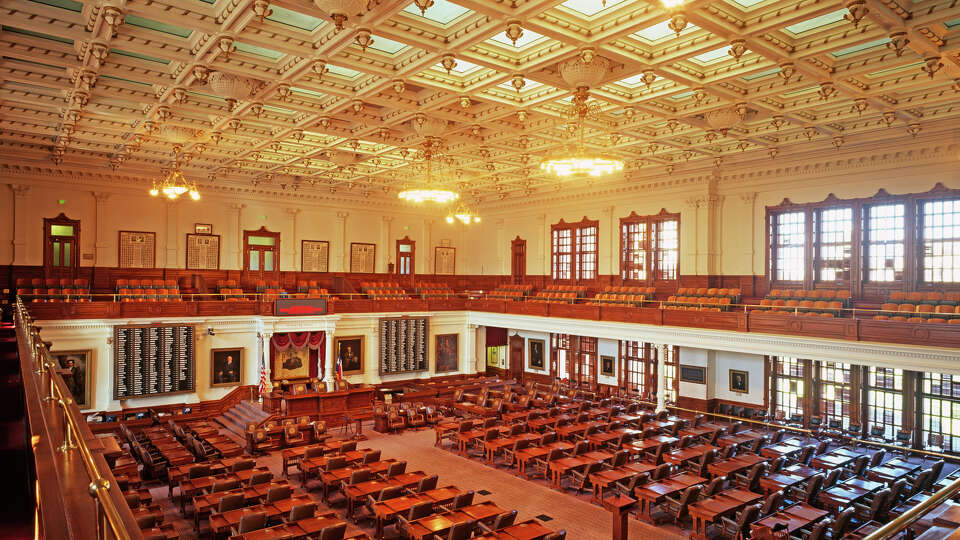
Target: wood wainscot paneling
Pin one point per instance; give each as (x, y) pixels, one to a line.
(730, 320)
(631, 315)
(693, 403)
(932, 334)
(800, 325)
(541, 309)
(575, 311)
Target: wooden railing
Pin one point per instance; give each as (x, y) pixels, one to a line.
(76, 491)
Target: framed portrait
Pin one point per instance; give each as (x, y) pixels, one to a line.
(608, 366)
(203, 228)
(349, 350)
(739, 381)
(76, 368)
(448, 352)
(693, 374)
(535, 354)
(226, 366)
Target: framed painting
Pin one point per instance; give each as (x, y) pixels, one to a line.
(693, 374)
(739, 381)
(349, 352)
(608, 366)
(292, 363)
(76, 369)
(448, 352)
(203, 228)
(226, 366)
(535, 354)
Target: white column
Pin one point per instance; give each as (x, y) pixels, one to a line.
(101, 241)
(712, 232)
(265, 338)
(605, 264)
(690, 244)
(662, 378)
(235, 236)
(543, 241)
(502, 247)
(340, 234)
(385, 224)
(469, 365)
(21, 193)
(293, 245)
(749, 200)
(427, 248)
(328, 376)
(170, 260)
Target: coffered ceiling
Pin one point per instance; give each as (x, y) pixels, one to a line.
(114, 85)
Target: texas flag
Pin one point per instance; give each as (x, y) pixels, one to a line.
(339, 367)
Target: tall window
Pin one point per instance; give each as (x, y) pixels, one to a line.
(670, 372)
(560, 344)
(834, 244)
(587, 366)
(835, 392)
(884, 242)
(574, 250)
(635, 365)
(650, 247)
(789, 388)
(789, 246)
(885, 399)
(941, 241)
(940, 409)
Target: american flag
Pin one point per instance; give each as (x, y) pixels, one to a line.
(263, 369)
(339, 367)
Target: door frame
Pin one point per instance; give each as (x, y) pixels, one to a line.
(49, 270)
(262, 231)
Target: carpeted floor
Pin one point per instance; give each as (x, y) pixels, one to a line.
(581, 519)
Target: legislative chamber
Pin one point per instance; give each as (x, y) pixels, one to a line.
(469, 269)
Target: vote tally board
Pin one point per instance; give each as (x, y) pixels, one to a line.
(403, 345)
(153, 359)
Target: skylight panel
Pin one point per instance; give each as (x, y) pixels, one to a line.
(711, 56)
(528, 37)
(257, 51)
(386, 45)
(951, 24)
(294, 18)
(441, 12)
(817, 22)
(342, 71)
(661, 31)
(140, 56)
(859, 48)
(682, 95)
(761, 74)
(308, 92)
(589, 7)
(889, 71)
(633, 80)
(462, 68)
(748, 3)
(31, 33)
(69, 5)
(529, 86)
(157, 26)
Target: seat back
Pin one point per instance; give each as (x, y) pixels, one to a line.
(230, 502)
(428, 483)
(333, 532)
(278, 493)
(260, 478)
(252, 522)
(302, 511)
(420, 510)
(461, 531)
(463, 499)
(813, 488)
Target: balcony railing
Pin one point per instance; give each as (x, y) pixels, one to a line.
(77, 495)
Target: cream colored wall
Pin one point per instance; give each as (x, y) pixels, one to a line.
(126, 210)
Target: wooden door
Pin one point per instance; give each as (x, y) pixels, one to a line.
(516, 357)
(261, 255)
(406, 249)
(61, 243)
(518, 259)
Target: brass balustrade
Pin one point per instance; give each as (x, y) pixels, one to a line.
(109, 522)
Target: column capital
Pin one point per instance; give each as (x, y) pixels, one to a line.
(500, 222)
(693, 202)
(608, 209)
(712, 200)
(237, 206)
(386, 219)
(342, 215)
(100, 196)
(748, 197)
(292, 211)
(20, 191)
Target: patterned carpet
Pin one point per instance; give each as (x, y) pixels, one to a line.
(533, 499)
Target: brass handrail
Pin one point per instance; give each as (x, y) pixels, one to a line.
(99, 486)
(905, 519)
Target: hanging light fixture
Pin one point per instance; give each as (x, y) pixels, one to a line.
(463, 215)
(428, 193)
(581, 161)
(174, 184)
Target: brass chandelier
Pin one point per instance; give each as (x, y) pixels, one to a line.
(174, 183)
(463, 215)
(428, 193)
(581, 72)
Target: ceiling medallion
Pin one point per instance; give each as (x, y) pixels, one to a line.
(448, 62)
(363, 38)
(232, 88)
(341, 11)
(174, 184)
(514, 31)
(725, 118)
(858, 10)
(463, 215)
(581, 161)
(423, 5)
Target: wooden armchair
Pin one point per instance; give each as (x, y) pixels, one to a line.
(249, 523)
(678, 509)
(581, 479)
(292, 436)
(415, 418)
(417, 511)
(261, 441)
(320, 434)
(736, 530)
(395, 421)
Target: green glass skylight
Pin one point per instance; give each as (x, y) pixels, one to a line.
(257, 51)
(528, 38)
(761, 74)
(441, 12)
(748, 3)
(860, 47)
(589, 7)
(69, 5)
(661, 31)
(712, 56)
(386, 45)
(131, 81)
(529, 86)
(807, 90)
(342, 71)
(30, 33)
(951, 24)
(892, 70)
(157, 26)
(140, 56)
(294, 18)
(682, 95)
(817, 22)
(309, 92)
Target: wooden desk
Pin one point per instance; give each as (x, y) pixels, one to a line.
(561, 466)
(848, 493)
(527, 530)
(733, 465)
(603, 479)
(779, 450)
(436, 524)
(653, 493)
(328, 404)
(779, 482)
(794, 517)
(891, 471)
(620, 507)
(706, 511)
(680, 457)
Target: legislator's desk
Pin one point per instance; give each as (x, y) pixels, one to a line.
(326, 404)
